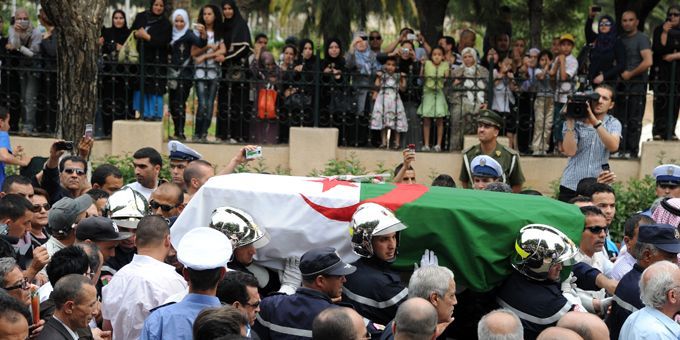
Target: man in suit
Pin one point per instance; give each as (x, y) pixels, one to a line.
(76, 300)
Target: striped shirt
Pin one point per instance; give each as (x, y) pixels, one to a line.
(590, 151)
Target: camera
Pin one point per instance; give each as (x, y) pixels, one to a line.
(577, 106)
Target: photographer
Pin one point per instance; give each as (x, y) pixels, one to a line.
(588, 140)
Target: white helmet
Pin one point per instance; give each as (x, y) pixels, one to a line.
(239, 227)
(371, 219)
(126, 207)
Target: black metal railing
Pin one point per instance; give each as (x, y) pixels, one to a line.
(313, 98)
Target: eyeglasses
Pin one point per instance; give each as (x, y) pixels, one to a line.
(254, 305)
(597, 229)
(605, 23)
(674, 14)
(70, 171)
(37, 207)
(374, 38)
(364, 38)
(165, 207)
(24, 284)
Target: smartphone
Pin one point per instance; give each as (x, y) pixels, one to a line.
(252, 154)
(605, 167)
(405, 50)
(412, 148)
(64, 145)
(597, 8)
(88, 130)
(411, 36)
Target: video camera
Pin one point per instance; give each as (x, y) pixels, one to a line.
(577, 106)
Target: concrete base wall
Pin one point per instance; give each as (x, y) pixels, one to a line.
(311, 148)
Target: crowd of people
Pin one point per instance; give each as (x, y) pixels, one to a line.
(424, 95)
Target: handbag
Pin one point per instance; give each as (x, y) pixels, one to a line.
(128, 53)
(173, 74)
(266, 103)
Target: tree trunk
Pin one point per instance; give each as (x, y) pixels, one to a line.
(78, 25)
(431, 15)
(535, 22)
(641, 7)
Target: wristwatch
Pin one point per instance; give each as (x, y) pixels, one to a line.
(599, 123)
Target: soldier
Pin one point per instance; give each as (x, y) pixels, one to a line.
(489, 124)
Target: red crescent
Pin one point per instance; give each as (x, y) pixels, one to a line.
(394, 199)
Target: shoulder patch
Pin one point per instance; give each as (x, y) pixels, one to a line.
(512, 151)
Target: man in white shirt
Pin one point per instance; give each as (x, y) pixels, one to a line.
(660, 292)
(148, 163)
(590, 252)
(143, 284)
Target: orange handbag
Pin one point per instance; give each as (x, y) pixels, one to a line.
(266, 103)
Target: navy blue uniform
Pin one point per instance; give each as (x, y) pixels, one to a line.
(272, 285)
(626, 301)
(287, 317)
(538, 304)
(375, 290)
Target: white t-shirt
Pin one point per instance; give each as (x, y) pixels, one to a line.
(143, 284)
(146, 192)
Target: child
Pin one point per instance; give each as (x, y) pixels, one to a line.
(434, 103)
(543, 105)
(388, 111)
(6, 154)
(503, 98)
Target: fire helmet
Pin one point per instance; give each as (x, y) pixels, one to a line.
(239, 227)
(126, 207)
(371, 219)
(538, 247)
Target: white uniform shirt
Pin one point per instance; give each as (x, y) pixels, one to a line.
(134, 290)
(146, 192)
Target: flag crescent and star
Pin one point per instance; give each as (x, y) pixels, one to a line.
(472, 232)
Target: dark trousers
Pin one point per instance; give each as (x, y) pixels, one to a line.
(566, 194)
(631, 106)
(178, 100)
(665, 112)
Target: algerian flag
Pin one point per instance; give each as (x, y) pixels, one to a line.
(472, 232)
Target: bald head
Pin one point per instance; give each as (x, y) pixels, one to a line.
(196, 174)
(588, 326)
(500, 324)
(416, 319)
(558, 333)
(338, 323)
(167, 195)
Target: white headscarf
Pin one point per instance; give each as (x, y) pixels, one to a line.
(176, 34)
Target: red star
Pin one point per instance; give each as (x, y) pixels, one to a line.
(330, 183)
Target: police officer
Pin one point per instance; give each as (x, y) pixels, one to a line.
(375, 290)
(246, 237)
(180, 156)
(667, 180)
(533, 290)
(291, 316)
(656, 242)
(485, 170)
(489, 124)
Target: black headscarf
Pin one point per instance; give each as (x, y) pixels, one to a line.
(152, 18)
(117, 35)
(236, 32)
(604, 43)
(307, 64)
(339, 61)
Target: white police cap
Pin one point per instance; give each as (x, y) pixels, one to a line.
(485, 166)
(667, 174)
(204, 248)
(182, 152)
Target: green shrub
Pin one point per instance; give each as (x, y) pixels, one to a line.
(634, 196)
(124, 163)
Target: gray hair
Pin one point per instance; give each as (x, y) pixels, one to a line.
(641, 247)
(498, 187)
(7, 264)
(69, 288)
(655, 282)
(428, 280)
(485, 331)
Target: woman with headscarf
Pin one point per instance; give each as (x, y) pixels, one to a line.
(335, 101)
(267, 75)
(207, 69)
(234, 109)
(153, 33)
(116, 98)
(361, 62)
(183, 39)
(466, 96)
(287, 89)
(306, 71)
(666, 49)
(607, 54)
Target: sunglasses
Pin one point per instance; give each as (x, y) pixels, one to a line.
(254, 305)
(24, 284)
(374, 38)
(364, 38)
(165, 207)
(674, 14)
(70, 171)
(37, 207)
(606, 23)
(597, 229)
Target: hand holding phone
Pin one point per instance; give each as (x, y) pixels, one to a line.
(254, 153)
(88, 131)
(64, 145)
